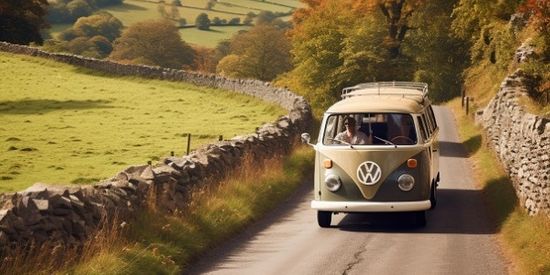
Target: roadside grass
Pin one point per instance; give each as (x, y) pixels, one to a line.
(525, 239)
(159, 244)
(63, 124)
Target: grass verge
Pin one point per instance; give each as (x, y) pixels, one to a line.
(160, 244)
(524, 238)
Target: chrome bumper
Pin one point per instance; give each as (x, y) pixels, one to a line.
(354, 206)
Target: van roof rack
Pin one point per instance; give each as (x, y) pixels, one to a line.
(384, 88)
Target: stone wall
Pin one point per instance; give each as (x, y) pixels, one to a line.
(521, 140)
(71, 215)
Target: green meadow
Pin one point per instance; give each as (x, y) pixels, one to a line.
(210, 38)
(133, 11)
(62, 124)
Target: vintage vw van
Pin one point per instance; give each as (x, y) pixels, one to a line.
(377, 151)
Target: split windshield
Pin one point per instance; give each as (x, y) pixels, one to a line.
(370, 129)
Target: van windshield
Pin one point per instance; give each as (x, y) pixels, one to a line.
(370, 129)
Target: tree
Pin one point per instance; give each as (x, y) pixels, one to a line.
(234, 21)
(335, 45)
(90, 36)
(210, 4)
(202, 22)
(22, 20)
(261, 53)
(153, 42)
(205, 60)
(162, 9)
(249, 18)
(79, 8)
(174, 12)
(102, 23)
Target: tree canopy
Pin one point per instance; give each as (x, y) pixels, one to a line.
(342, 43)
(153, 42)
(202, 22)
(262, 53)
(90, 36)
(22, 20)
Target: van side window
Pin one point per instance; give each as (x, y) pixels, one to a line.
(429, 130)
(423, 132)
(432, 115)
(429, 122)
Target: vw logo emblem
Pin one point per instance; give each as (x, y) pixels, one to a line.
(369, 173)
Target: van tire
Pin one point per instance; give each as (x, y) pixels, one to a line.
(324, 218)
(420, 218)
(433, 196)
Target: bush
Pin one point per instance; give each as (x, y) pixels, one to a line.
(79, 8)
(234, 21)
(202, 22)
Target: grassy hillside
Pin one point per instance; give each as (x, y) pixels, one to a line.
(133, 11)
(63, 124)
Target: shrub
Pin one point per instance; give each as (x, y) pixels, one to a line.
(202, 22)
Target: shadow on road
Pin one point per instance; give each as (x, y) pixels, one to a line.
(452, 149)
(457, 212)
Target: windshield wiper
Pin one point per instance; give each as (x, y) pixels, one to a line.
(341, 141)
(387, 142)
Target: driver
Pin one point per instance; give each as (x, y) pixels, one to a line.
(351, 135)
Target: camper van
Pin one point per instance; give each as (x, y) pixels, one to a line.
(377, 151)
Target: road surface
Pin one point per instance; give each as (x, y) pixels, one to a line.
(458, 239)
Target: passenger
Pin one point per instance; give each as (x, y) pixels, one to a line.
(351, 135)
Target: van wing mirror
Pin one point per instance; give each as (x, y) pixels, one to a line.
(305, 138)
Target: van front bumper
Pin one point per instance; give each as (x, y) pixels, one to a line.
(354, 206)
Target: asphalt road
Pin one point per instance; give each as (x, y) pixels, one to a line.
(458, 239)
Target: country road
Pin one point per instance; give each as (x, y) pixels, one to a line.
(457, 240)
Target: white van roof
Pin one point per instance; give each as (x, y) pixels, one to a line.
(394, 97)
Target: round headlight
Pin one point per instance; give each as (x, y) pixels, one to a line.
(405, 182)
(333, 182)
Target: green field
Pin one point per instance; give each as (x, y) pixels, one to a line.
(209, 38)
(63, 124)
(133, 11)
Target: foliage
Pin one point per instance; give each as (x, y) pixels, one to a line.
(90, 36)
(154, 42)
(249, 18)
(438, 57)
(22, 20)
(79, 8)
(87, 126)
(210, 4)
(272, 18)
(261, 53)
(334, 46)
(202, 22)
(68, 11)
(483, 25)
(205, 60)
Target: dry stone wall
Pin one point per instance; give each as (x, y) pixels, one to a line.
(46, 214)
(521, 140)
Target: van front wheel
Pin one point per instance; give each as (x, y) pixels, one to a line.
(324, 218)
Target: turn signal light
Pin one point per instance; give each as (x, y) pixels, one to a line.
(411, 163)
(327, 163)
